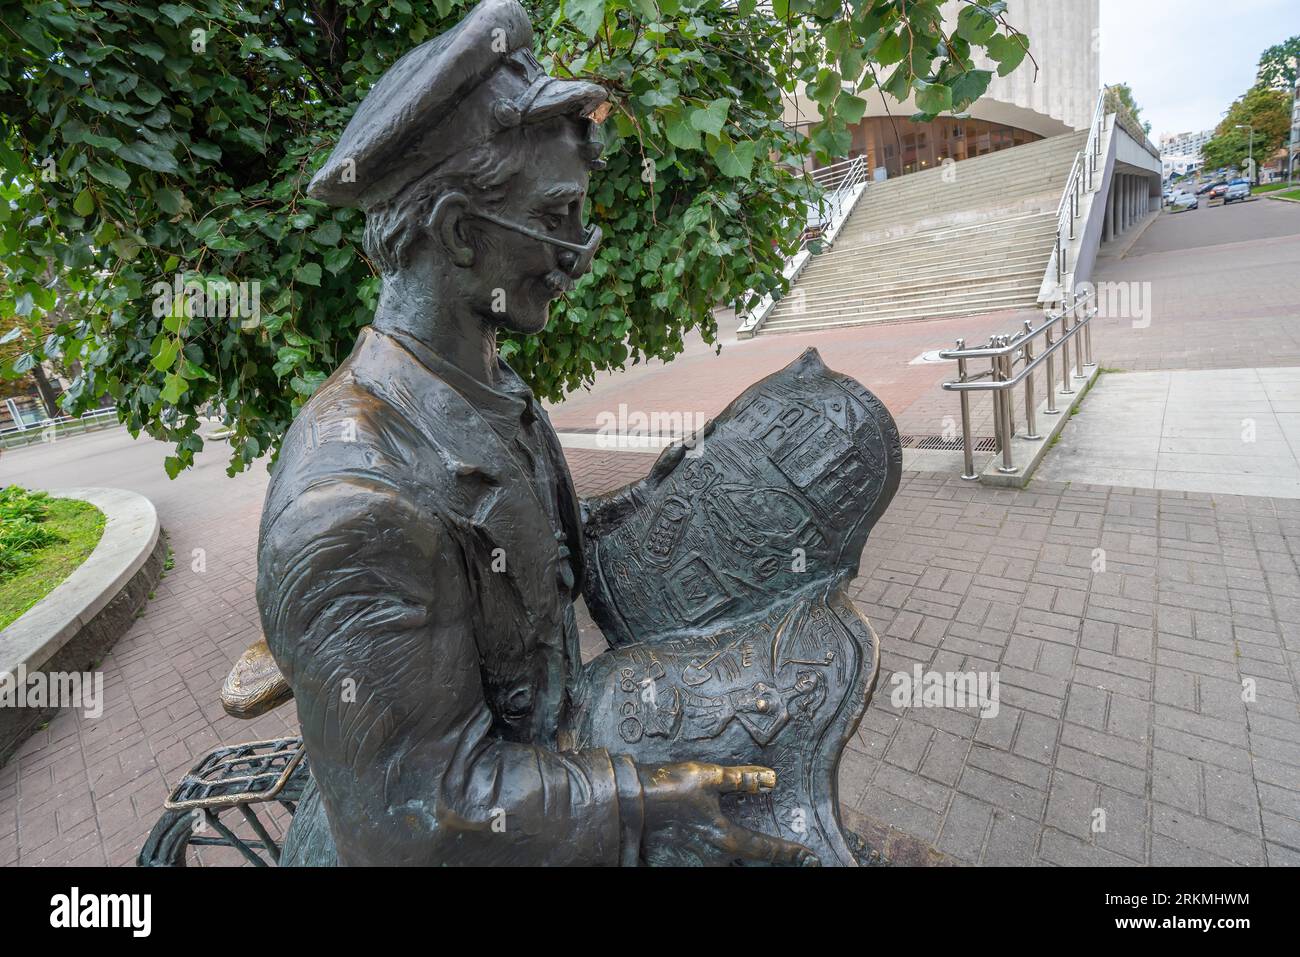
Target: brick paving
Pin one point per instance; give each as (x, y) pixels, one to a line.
(1121, 690)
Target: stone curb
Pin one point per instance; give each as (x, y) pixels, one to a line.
(71, 627)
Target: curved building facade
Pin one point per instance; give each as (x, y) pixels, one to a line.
(1029, 104)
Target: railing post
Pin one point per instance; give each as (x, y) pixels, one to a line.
(967, 443)
(1067, 385)
(1003, 364)
(1078, 337)
(1051, 371)
(1087, 330)
(1031, 432)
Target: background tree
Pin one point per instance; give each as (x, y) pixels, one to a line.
(1268, 111)
(1277, 68)
(1119, 99)
(146, 142)
(21, 339)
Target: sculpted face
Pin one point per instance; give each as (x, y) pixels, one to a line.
(518, 275)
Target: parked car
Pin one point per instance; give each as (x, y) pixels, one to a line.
(1211, 185)
(1238, 190)
(1218, 191)
(1183, 200)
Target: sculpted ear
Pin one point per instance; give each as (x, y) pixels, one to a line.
(447, 222)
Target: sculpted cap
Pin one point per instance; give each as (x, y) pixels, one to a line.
(449, 94)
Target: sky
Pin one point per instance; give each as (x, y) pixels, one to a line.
(1187, 60)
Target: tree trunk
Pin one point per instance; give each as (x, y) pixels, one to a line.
(48, 398)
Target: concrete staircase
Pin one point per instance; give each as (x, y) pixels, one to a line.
(972, 238)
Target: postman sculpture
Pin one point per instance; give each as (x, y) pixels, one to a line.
(422, 545)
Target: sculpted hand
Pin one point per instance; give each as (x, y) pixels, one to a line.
(684, 823)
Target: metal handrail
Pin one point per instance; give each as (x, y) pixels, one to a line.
(848, 175)
(1004, 352)
(41, 424)
(832, 176)
(1082, 179)
(845, 175)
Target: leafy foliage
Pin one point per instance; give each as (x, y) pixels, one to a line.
(1120, 99)
(143, 143)
(1268, 111)
(1277, 65)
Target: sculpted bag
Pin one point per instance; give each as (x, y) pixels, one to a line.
(722, 593)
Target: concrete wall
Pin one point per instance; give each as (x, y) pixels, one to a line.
(1063, 38)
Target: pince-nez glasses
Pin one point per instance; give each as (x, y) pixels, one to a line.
(579, 257)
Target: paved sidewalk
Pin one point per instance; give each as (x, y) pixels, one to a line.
(1232, 430)
(1120, 690)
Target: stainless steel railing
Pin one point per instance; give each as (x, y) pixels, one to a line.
(29, 433)
(837, 182)
(1004, 353)
(1082, 180)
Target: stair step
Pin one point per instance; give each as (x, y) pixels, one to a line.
(904, 253)
(903, 315)
(864, 266)
(953, 289)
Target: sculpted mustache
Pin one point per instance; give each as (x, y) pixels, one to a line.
(557, 280)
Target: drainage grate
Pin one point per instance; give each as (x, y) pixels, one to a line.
(985, 443)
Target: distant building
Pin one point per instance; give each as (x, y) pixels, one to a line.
(1181, 153)
(1028, 105)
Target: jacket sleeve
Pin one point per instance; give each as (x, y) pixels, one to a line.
(366, 602)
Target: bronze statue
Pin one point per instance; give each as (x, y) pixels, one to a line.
(422, 544)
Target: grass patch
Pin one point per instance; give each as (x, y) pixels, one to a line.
(74, 530)
(1290, 194)
(1268, 188)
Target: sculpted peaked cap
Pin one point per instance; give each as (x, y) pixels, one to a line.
(449, 94)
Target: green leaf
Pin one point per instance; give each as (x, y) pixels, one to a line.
(850, 108)
(736, 159)
(975, 25)
(680, 132)
(84, 204)
(337, 259)
(174, 386)
(969, 86)
(712, 118)
(1008, 51)
(149, 156)
(826, 88)
(174, 12)
(170, 201)
(934, 98)
(308, 273)
(586, 15)
(109, 175)
(166, 356)
(891, 50)
(328, 234)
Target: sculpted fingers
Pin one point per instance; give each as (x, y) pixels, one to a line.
(762, 848)
(746, 779)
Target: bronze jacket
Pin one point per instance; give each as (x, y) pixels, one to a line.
(415, 586)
